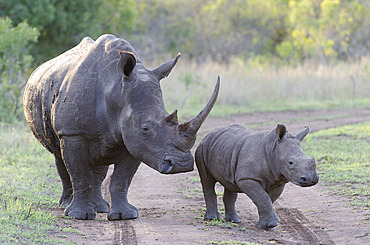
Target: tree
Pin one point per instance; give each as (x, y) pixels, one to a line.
(322, 29)
(63, 24)
(14, 61)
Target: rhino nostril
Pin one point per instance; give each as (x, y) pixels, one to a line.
(166, 167)
(303, 180)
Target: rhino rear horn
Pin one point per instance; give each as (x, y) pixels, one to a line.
(193, 126)
(300, 136)
(165, 69)
(172, 119)
(126, 63)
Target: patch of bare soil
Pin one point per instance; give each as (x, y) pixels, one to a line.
(170, 206)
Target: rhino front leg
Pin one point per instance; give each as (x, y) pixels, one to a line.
(119, 184)
(66, 197)
(100, 205)
(267, 217)
(276, 192)
(76, 157)
(229, 199)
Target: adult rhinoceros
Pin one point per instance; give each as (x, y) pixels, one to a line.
(96, 105)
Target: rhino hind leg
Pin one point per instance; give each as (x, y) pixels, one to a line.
(66, 197)
(229, 200)
(208, 185)
(100, 205)
(75, 155)
(210, 197)
(119, 184)
(211, 201)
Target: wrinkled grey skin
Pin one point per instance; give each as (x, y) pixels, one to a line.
(96, 105)
(258, 164)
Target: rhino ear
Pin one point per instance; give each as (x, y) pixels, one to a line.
(302, 134)
(280, 131)
(165, 69)
(126, 63)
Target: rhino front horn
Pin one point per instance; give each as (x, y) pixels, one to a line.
(193, 126)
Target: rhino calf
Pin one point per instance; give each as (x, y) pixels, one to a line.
(256, 163)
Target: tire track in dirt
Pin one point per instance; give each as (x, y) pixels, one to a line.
(297, 225)
(124, 233)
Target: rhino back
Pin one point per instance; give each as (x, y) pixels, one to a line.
(65, 96)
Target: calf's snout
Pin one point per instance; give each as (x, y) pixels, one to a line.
(306, 181)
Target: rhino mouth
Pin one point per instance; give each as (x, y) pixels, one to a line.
(172, 166)
(307, 182)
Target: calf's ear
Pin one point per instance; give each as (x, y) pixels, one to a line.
(126, 63)
(280, 131)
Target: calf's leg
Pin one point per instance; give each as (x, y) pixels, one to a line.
(208, 185)
(275, 193)
(229, 199)
(267, 217)
(211, 199)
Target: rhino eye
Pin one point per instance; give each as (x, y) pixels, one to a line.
(291, 162)
(145, 130)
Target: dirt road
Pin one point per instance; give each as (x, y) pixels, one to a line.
(170, 206)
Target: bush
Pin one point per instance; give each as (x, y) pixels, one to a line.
(14, 64)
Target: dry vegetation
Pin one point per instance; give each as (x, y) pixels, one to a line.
(263, 87)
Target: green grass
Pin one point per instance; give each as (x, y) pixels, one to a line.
(29, 185)
(220, 223)
(343, 156)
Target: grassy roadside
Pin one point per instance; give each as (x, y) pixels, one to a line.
(343, 156)
(29, 185)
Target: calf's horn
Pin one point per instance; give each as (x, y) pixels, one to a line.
(302, 134)
(193, 125)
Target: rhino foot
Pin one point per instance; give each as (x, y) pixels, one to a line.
(232, 218)
(80, 213)
(211, 216)
(65, 200)
(129, 212)
(268, 224)
(102, 206)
